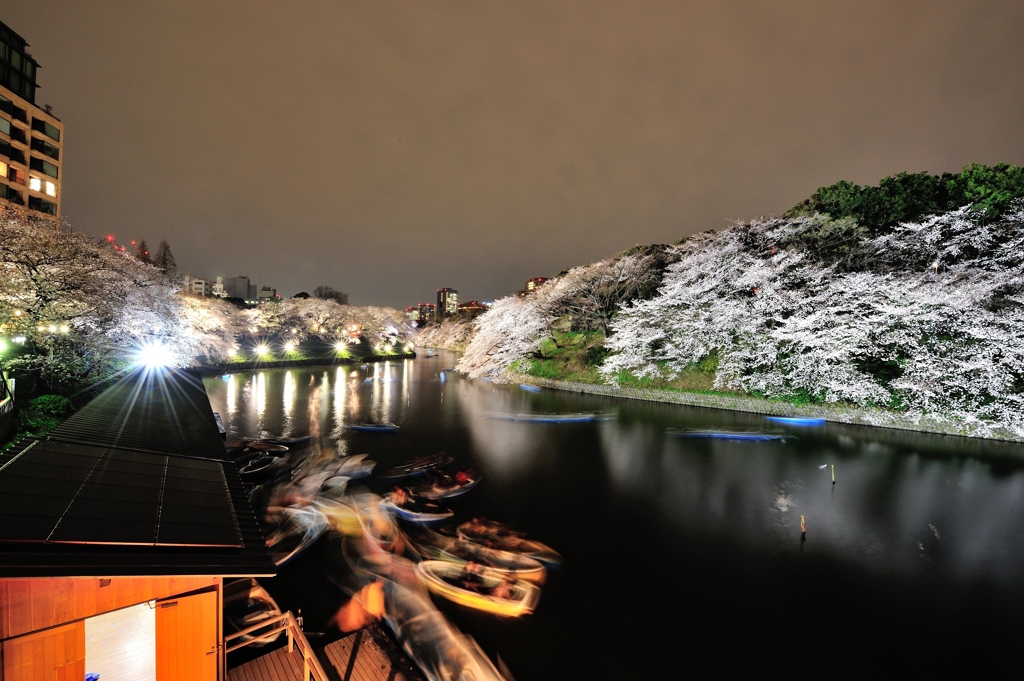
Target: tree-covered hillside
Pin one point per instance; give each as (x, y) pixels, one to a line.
(907, 296)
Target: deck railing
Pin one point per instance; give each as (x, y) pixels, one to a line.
(312, 670)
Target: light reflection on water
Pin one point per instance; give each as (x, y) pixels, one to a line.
(905, 506)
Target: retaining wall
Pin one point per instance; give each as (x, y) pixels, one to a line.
(859, 416)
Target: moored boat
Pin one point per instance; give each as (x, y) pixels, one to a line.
(296, 530)
(246, 604)
(479, 588)
(432, 545)
(496, 536)
(797, 420)
(257, 468)
(449, 487)
(371, 427)
(418, 512)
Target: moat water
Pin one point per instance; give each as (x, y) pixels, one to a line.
(685, 555)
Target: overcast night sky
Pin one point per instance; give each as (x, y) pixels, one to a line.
(388, 149)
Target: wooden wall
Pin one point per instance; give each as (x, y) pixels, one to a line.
(32, 604)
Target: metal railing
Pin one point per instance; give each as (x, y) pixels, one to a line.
(312, 670)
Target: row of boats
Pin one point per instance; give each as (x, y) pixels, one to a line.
(394, 551)
(504, 568)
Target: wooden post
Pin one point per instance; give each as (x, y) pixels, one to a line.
(803, 528)
(833, 474)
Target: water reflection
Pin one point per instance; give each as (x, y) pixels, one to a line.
(231, 389)
(289, 401)
(906, 507)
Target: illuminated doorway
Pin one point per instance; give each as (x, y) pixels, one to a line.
(121, 645)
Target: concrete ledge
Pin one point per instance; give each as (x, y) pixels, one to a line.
(286, 363)
(924, 423)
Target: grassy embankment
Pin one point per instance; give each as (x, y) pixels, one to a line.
(575, 356)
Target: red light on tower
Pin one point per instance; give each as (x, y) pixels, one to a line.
(133, 242)
(110, 237)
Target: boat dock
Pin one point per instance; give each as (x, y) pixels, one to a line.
(356, 657)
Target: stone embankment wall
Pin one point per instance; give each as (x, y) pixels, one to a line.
(840, 414)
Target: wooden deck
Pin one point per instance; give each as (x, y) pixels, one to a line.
(357, 657)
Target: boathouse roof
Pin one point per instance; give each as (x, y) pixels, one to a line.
(136, 483)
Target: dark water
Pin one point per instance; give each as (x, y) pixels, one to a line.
(684, 556)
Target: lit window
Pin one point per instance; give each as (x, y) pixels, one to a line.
(51, 189)
(35, 184)
(3, 169)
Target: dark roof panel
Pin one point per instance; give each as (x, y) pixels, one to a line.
(162, 411)
(136, 483)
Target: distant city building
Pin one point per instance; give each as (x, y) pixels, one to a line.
(31, 138)
(413, 313)
(267, 295)
(236, 287)
(200, 287)
(447, 302)
(426, 311)
(471, 308)
(531, 286)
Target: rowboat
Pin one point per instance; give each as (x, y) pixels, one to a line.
(496, 536)
(429, 512)
(297, 529)
(449, 580)
(246, 604)
(797, 420)
(434, 546)
(383, 427)
(354, 466)
(256, 468)
(505, 562)
(447, 488)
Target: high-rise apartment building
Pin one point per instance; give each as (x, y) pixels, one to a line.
(447, 302)
(31, 138)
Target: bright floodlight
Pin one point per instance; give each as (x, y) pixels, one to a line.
(262, 350)
(155, 355)
(289, 346)
(340, 346)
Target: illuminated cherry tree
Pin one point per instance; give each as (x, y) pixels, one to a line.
(928, 318)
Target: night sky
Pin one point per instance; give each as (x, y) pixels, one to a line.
(389, 149)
